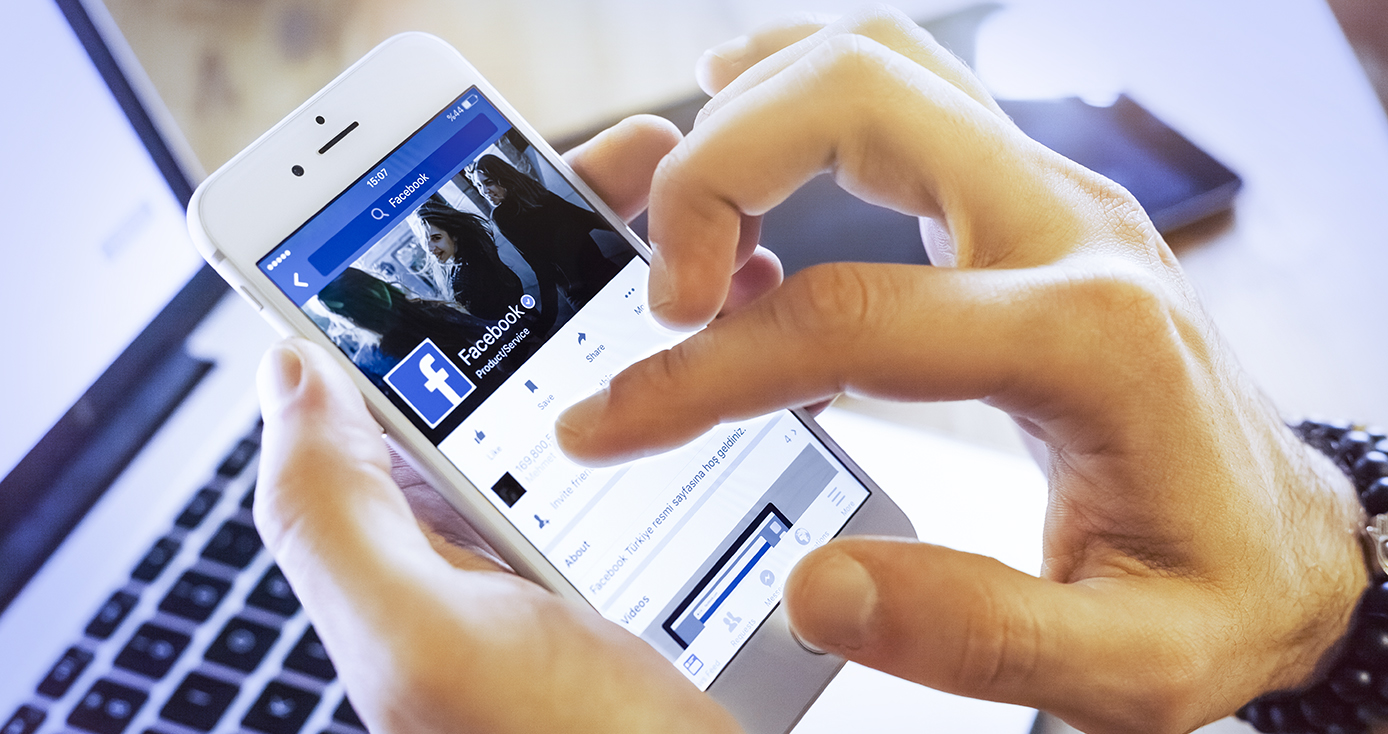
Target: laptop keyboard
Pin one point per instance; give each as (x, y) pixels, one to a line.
(206, 636)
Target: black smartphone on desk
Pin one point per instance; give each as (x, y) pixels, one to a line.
(1174, 180)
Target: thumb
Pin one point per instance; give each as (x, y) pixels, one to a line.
(422, 645)
(970, 625)
(325, 501)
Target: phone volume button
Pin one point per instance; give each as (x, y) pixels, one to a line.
(254, 301)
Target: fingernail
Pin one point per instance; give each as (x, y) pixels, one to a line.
(836, 603)
(732, 51)
(284, 371)
(660, 294)
(657, 292)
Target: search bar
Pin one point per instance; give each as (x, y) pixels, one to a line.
(366, 227)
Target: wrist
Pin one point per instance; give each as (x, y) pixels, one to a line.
(1348, 691)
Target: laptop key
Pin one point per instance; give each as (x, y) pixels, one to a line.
(64, 672)
(107, 708)
(199, 701)
(235, 544)
(152, 651)
(111, 614)
(194, 596)
(197, 509)
(310, 658)
(281, 709)
(273, 594)
(25, 721)
(346, 715)
(156, 560)
(242, 645)
(248, 499)
(239, 457)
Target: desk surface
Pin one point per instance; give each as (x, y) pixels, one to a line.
(1293, 277)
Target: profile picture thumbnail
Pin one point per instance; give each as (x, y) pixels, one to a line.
(508, 489)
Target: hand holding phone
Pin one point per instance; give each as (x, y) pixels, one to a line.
(414, 226)
(493, 651)
(426, 634)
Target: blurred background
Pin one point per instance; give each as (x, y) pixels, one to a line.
(229, 69)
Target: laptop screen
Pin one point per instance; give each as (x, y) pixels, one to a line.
(96, 243)
(103, 284)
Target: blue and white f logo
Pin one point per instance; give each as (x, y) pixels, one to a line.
(429, 383)
(437, 380)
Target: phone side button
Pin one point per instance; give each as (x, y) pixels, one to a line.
(247, 295)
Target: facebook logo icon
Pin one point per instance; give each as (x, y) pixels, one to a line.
(429, 383)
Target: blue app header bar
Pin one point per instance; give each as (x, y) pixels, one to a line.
(311, 257)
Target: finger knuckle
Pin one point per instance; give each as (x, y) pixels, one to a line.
(669, 369)
(1117, 311)
(895, 30)
(832, 302)
(859, 72)
(1120, 292)
(283, 510)
(1119, 210)
(1008, 646)
(853, 63)
(875, 19)
(1114, 214)
(666, 374)
(1001, 645)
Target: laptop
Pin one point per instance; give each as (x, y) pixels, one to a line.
(135, 595)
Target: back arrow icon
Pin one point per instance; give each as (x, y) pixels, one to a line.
(298, 282)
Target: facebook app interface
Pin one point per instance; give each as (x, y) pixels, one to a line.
(468, 280)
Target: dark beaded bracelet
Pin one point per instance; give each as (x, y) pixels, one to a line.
(1355, 692)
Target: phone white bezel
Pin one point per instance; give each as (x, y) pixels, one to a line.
(252, 203)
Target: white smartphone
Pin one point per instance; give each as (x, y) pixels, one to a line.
(409, 220)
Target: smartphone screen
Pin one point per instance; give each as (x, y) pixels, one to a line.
(470, 281)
